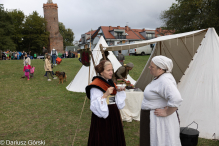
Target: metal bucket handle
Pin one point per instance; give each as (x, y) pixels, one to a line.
(189, 125)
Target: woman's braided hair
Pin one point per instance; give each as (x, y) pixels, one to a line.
(100, 67)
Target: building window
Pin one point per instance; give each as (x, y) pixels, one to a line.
(150, 36)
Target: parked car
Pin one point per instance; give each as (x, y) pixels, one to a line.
(141, 50)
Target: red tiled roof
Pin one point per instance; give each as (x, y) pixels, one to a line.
(161, 32)
(91, 32)
(131, 34)
(137, 31)
(106, 32)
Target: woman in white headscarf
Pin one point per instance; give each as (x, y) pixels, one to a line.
(159, 125)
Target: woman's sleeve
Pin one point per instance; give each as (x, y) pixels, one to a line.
(120, 99)
(98, 105)
(170, 92)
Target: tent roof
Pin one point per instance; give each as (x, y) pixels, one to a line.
(155, 40)
(199, 88)
(81, 79)
(178, 47)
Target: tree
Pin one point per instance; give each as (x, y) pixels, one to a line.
(35, 34)
(6, 30)
(17, 20)
(67, 34)
(189, 15)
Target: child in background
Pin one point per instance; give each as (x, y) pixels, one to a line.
(26, 69)
(32, 71)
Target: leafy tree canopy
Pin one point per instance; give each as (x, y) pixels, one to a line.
(17, 20)
(67, 34)
(35, 35)
(189, 15)
(6, 30)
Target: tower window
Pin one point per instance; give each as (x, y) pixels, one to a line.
(54, 19)
(50, 27)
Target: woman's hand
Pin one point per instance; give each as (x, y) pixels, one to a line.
(165, 112)
(161, 112)
(108, 92)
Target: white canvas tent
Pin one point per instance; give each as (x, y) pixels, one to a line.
(195, 57)
(81, 79)
(199, 88)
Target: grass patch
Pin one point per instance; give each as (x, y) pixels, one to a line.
(42, 110)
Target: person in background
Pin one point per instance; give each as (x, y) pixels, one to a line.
(10, 55)
(1, 55)
(44, 53)
(32, 71)
(48, 68)
(123, 71)
(106, 53)
(121, 58)
(28, 54)
(23, 55)
(159, 123)
(69, 54)
(52, 66)
(35, 56)
(54, 53)
(15, 55)
(26, 59)
(18, 56)
(26, 70)
(66, 54)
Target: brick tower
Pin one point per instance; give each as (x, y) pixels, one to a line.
(51, 16)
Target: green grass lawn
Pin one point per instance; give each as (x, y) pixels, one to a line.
(42, 110)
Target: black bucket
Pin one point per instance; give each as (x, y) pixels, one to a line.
(189, 136)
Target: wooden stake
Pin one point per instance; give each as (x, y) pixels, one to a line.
(103, 54)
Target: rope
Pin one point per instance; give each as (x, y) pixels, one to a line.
(193, 44)
(79, 121)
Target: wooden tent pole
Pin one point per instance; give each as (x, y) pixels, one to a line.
(89, 60)
(92, 58)
(103, 54)
(93, 61)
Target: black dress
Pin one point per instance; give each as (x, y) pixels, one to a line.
(109, 131)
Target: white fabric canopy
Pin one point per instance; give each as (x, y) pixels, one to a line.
(195, 58)
(81, 79)
(199, 88)
(152, 41)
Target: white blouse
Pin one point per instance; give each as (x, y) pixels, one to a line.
(161, 92)
(99, 106)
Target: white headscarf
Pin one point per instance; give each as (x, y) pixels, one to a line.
(163, 63)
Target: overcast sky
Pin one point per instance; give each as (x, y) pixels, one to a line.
(83, 15)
